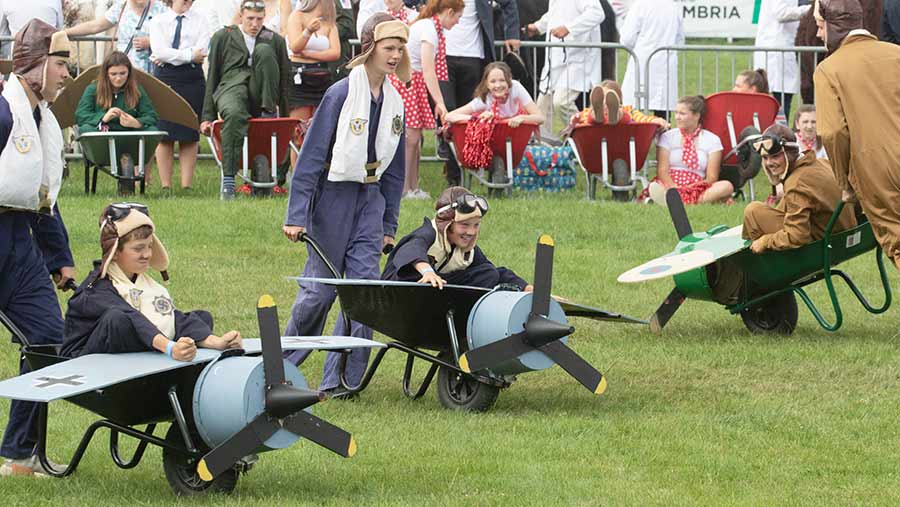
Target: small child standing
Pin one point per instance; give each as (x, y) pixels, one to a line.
(120, 308)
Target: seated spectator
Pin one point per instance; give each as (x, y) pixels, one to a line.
(689, 158)
(443, 250)
(752, 81)
(120, 308)
(249, 76)
(811, 194)
(606, 103)
(132, 28)
(115, 101)
(499, 97)
(805, 129)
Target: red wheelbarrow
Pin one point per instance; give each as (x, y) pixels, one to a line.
(265, 147)
(596, 146)
(507, 142)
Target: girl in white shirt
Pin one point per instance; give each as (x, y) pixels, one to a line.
(499, 95)
(689, 158)
(427, 49)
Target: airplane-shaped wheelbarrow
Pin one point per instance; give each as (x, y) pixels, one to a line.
(483, 338)
(718, 265)
(225, 406)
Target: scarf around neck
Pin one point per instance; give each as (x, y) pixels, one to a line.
(147, 296)
(689, 148)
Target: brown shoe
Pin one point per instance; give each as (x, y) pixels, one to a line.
(612, 107)
(597, 104)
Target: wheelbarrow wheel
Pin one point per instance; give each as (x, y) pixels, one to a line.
(181, 470)
(776, 315)
(620, 177)
(126, 175)
(458, 391)
(261, 173)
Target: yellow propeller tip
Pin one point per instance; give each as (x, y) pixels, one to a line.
(203, 471)
(464, 364)
(546, 240)
(601, 387)
(351, 449)
(265, 301)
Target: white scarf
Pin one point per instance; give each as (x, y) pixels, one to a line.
(441, 249)
(350, 152)
(31, 163)
(146, 296)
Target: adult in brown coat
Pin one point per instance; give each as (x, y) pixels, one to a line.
(857, 92)
(811, 195)
(806, 36)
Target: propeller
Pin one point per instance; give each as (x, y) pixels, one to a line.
(540, 333)
(283, 408)
(683, 228)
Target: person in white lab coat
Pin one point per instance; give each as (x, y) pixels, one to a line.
(568, 72)
(651, 24)
(778, 22)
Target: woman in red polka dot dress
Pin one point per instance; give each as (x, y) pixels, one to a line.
(689, 158)
(427, 54)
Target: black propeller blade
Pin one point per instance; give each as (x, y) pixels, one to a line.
(321, 432)
(283, 408)
(540, 332)
(665, 311)
(678, 214)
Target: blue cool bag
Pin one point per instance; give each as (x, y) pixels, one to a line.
(545, 168)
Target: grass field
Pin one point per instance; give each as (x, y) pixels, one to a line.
(704, 414)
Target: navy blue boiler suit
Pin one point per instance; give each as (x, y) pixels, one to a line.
(31, 247)
(348, 219)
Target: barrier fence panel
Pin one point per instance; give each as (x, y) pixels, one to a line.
(706, 69)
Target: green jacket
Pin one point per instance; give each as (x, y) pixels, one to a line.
(346, 31)
(89, 114)
(228, 66)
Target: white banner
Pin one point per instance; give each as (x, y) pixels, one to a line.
(712, 18)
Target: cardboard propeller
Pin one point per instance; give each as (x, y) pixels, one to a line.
(169, 105)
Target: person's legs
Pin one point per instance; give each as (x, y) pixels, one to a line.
(302, 113)
(563, 108)
(265, 80)
(113, 334)
(484, 275)
(719, 191)
(361, 262)
(413, 151)
(331, 225)
(32, 306)
(187, 157)
(784, 99)
(235, 112)
(761, 219)
(165, 159)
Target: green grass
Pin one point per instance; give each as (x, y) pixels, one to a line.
(704, 414)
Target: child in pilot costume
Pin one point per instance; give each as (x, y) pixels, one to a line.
(33, 238)
(811, 194)
(348, 182)
(443, 249)
(120, 308)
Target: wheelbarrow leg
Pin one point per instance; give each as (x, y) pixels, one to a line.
(87, 176)
(94, 180)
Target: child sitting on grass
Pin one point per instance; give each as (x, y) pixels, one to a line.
(443, 249)
(120, 308)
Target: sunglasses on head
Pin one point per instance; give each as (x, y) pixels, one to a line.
(771, 144)
(119, 210)
(467, 203)
(250, 4)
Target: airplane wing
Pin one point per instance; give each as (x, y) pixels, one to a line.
(688, 256)
(91, 372)
(254, 345)
(577, 310)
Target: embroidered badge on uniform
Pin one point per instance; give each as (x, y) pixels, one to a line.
(135, 296)
(397, 125)
(23, 144)
(357, 125)
(163, 305)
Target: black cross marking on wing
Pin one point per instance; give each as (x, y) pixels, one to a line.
(71, 380)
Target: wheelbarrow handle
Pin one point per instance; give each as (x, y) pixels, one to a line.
(306, 238)
(70, 285)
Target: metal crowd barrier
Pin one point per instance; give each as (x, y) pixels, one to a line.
(727, 61)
